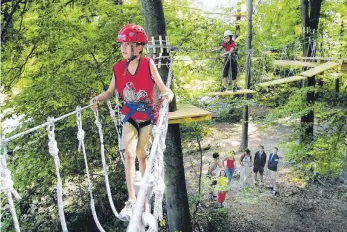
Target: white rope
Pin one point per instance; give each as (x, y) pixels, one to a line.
(53, 151)
(104, 165)
(6, 186)
(6, 140)
(155, 169)
(80, 137)
(118, 123)
(296, 50)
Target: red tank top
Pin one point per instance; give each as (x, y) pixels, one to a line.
(228, 46)
(136, 88)
(229, 163)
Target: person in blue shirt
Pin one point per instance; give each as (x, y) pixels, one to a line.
(272, 166)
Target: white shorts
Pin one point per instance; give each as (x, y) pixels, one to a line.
(273, 175)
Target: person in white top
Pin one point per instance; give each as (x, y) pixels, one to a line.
(215, 165)
(246, 165)
(213, 172)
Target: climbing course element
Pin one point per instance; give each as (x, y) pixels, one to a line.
(227, 93)
(153, 178)
(53, 151)
(104, 165)
(189, 113)
(80, 137)
(282, 81)
(319, 69)
(6, 186)
(294, 63)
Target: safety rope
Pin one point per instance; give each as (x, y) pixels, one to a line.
(118, 123)
(80, 137)
(6, 186)
(104, 165)
(263, 63)
(53, 151)
(155, 168)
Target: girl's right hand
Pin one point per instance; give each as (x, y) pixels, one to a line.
(94, 102)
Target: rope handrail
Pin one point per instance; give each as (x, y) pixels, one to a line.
(7, 140)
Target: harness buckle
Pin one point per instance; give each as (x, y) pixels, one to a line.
(140, 109)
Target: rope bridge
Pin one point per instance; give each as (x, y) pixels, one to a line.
(151, 186)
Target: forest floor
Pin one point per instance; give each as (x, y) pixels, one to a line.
(301, 206)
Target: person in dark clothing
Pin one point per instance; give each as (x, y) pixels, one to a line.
(272, 166)
(259, 164)
(230, 60)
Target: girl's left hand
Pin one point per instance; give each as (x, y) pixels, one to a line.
(169, 95)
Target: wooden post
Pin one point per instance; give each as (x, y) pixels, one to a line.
(244, 138)
(175, 191)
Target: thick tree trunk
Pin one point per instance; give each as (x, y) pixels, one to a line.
(310, 24)
(244, 138)
(176, 191)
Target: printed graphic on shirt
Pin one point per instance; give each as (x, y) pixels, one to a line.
(130, 94)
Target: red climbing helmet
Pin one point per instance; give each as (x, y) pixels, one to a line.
(132, 33)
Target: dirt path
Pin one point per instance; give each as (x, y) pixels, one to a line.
(300, 206)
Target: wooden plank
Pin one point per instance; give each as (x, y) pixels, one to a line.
(321, 58)
(343, 68)
(319, 69)
(294, 63)
(188, 120)
(189, 113)
(227, 93)
(282, 81)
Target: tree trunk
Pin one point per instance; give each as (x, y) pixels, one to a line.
(244, 138)
(343, 175)
(337, 87)
(175, 191)
(310, 24)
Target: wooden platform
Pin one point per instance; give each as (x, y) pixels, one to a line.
(228, 93)
(189, 113)
(322, 58)
(319, 69)
(343, 68)
(294, 63)
(282, 81)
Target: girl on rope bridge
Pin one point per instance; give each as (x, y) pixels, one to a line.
(134, 78)
(230, 60)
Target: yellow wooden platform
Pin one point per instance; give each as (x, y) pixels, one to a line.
(322, 58)
(227, 93)
(189, 113)
(282, 81)
(343, 67)
(319, 69)
(294, 63)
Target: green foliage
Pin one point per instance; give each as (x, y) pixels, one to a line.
(58, 54)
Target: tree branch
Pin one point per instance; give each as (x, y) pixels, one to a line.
(20, 70)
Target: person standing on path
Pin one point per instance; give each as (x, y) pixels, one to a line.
(229, 165)
(272, 166)
(259, 164)
(246, 164)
